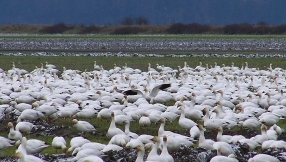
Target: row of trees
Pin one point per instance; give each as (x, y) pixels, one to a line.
(177, 28)
(135, 21)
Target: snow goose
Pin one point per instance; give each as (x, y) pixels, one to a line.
(59, 143)
(266, 144)
(120, 140)
(280, 144)
(195, 132)
(83, 126)
(278, 129)
(31, 146)
(169, 116)
(25, 157)
(77, 142)
(120, 116)
(5, 142)
(154, 115)
(165, 156)
(251, 144)
(205, 143)
(91, 158)
(133, 143)
(269, 118)
(194, 112)
(96, 67)
(251, 123)
(183, 121)
(153, 93)
(21, 106)
(153, 154)
(229, 158)
(211, 123)
(25, 99)
(104, 113)
(221, 137)
(144, 120)
(113, 130)
(140, 154)
(13, 134)
(260, 138)
(86, 113)
(85, 153)
(272, 134)
(145, 138)
(235, 138)
(263, 157)
(30, 114)
(90, 145)
(223, 148)
(24, 127)
(127, 130)
(111, 147)
(47, 109)
(223, 101)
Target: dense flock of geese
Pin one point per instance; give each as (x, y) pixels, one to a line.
(205, 97)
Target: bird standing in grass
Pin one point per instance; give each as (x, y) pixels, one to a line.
(83, 126)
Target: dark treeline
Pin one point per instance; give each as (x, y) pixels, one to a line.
(176, 28)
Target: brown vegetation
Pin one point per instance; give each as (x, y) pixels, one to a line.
(177, 28)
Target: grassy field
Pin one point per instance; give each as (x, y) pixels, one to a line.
(86, 63)
(178, 36)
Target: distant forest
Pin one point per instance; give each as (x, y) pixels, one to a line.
(142, 27)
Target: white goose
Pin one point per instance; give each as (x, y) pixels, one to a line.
(59, 143)
(141, 153)
(152, 94)
(211, 123)
(90, 145)
(77, 142)
(83, 126)
(223, 148)
(5, 142)
(221, 137)
(153, 154)
(23, 157)
(85, 153)
(195, 132)
(260, 138)
(31, 146)
(127, 130)
(205, 143)
(165, 156)
(183, 121)
(24, 127)
(229, 158)
(263, 157)
(13, 134)
(30, 114)
(91, 158)
(113, 130)
(21, 106)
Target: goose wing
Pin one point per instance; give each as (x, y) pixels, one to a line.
(157, 88)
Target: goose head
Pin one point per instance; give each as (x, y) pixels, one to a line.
(162, 120)
(155, 139)
(74, 121)
(10, 125)
(219, 129)
(201, 128)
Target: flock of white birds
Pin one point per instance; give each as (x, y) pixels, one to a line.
(205, 97)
